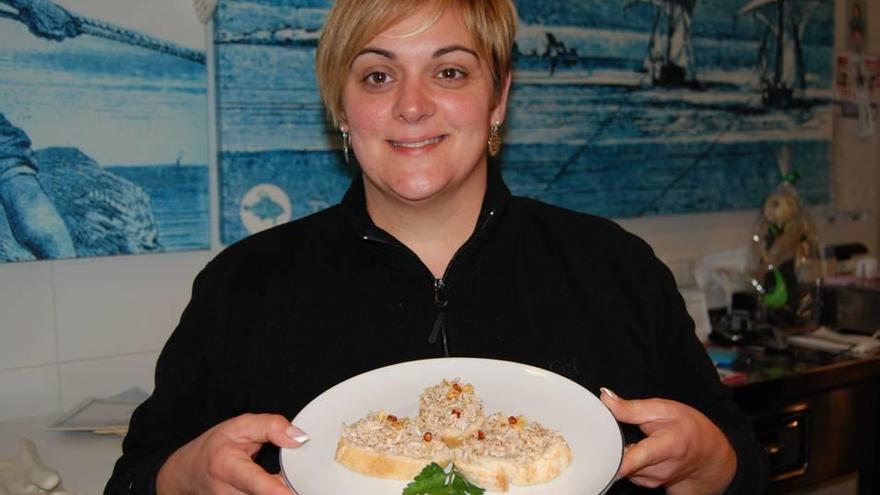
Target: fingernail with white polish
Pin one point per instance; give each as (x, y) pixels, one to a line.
(610, 393)
(297, 434)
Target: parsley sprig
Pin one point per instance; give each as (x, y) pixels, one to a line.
(433, 480)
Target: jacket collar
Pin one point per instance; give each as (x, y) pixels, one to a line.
(354, 204)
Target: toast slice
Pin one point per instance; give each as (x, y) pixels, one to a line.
(385, 446)
(452, 409)
(512, 450)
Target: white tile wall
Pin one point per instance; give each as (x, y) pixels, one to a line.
(105, 377)
(29, 392)
(121, 305)
(80, 328)
(27, 326)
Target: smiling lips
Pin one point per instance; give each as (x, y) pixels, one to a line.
(413, 145)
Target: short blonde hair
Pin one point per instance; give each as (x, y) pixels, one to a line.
(353, 23)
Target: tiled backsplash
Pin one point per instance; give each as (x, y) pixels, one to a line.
(80, 328)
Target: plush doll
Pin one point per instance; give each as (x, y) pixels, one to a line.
(786, 253)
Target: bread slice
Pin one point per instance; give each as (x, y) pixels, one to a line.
(512, 451)
(452, 409)
(385, 446)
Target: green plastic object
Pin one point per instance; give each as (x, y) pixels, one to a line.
(786, 264)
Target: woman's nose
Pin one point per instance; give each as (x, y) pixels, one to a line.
(414, 102)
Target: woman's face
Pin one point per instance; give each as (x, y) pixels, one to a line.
(418, 108)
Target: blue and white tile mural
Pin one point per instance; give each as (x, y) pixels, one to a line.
(103, 128)
(619, 107)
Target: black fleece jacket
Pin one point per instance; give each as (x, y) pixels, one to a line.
(281, 316)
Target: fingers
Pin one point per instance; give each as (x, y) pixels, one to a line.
(683, 449)
(220, 460)
(251, 478)
(641, 455)
(284, 482)
(254, 430)
(637, 412)
(654, 461)
(290, 432)
(262, 428)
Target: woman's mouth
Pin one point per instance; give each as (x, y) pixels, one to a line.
(417, 144)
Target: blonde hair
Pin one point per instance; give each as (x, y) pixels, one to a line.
(353, 23)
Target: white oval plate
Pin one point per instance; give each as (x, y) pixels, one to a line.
(511, 388)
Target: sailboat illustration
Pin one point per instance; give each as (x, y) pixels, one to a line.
(670, 57)
(780, 54)
(556, 52)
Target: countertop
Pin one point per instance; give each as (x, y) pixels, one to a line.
(84, 460)
(778, 376)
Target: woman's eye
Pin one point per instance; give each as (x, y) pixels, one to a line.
(451, 73)
(377, 78)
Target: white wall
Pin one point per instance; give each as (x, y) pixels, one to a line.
(80, 328)
(72, 329)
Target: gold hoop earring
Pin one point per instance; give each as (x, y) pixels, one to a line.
(346, 143)
(494, 139)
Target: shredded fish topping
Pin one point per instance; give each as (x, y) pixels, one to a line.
(451, 405)
(403, 436)
(523, 440)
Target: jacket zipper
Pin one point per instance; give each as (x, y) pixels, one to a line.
(438, 329)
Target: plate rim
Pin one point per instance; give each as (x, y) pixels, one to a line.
(417, 362)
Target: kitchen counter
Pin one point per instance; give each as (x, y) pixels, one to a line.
(817, 414)
(84, 460)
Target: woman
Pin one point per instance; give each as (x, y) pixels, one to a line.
(428, 255)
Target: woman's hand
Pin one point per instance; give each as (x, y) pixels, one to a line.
(684, 451)
(220, 460)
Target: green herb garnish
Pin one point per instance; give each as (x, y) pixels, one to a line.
(433, 480)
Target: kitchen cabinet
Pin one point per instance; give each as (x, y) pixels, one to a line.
(816, 414)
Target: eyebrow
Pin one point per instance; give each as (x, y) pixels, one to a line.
(438, 53)
(449, 49)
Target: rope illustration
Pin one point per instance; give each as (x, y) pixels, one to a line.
(113, 32)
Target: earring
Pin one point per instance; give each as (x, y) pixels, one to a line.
(494, 139)
(346, 143)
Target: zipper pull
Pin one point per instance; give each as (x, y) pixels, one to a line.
(439, 327)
